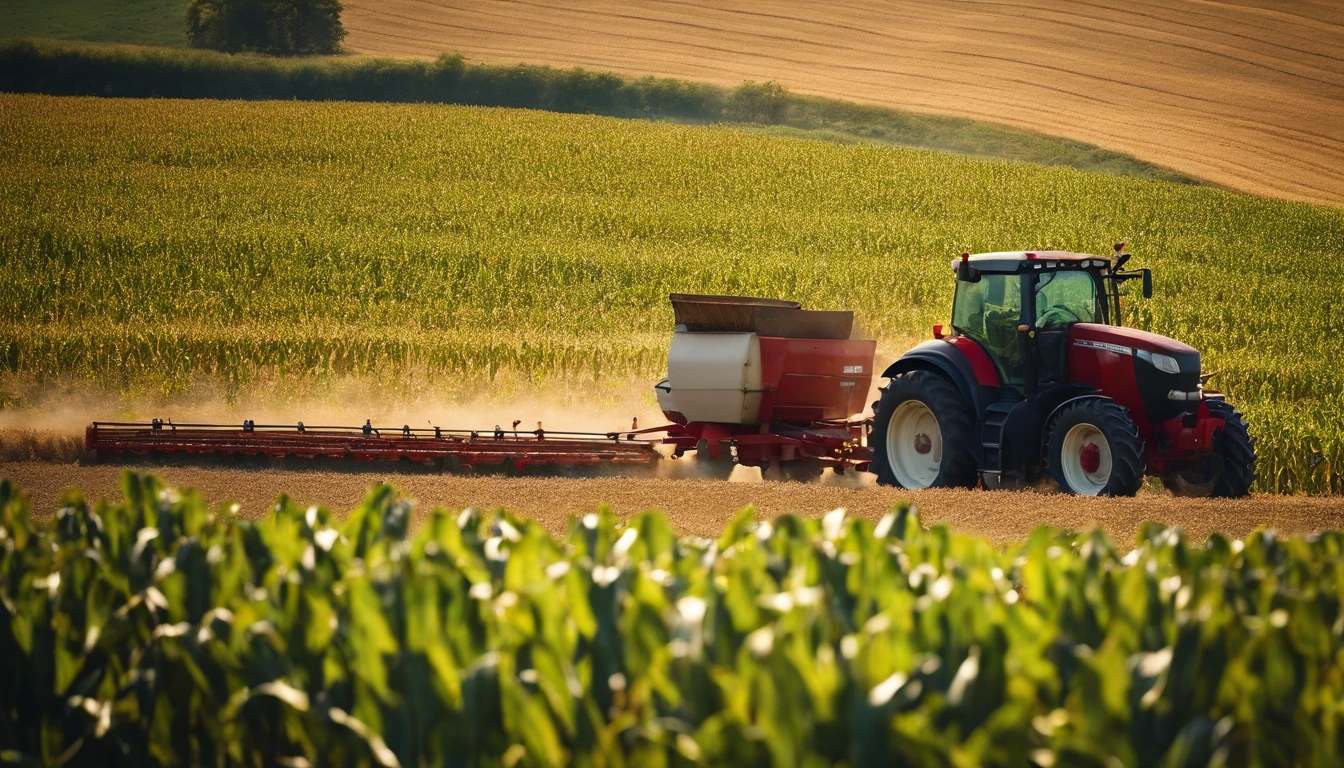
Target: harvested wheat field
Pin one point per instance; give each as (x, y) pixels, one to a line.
(1249, 95)
(700, 507)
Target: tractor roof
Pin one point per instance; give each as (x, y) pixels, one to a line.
(1015, 261)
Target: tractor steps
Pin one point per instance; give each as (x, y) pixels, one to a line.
(991, 436)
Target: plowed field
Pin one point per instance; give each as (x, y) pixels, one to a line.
(1249, 95)
(703, 508)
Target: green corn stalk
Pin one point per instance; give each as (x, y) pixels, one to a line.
(161, 631)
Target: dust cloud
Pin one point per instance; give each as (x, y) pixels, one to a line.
(49, 423)
(46, 422)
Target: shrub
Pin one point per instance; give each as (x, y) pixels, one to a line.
(753, 102)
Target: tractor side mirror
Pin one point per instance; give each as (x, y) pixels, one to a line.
(1147, 283)
(966, 273)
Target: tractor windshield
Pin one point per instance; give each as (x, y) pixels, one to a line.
(989, 311)
(1064, 298)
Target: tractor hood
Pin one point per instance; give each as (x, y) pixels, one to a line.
(1127, 340)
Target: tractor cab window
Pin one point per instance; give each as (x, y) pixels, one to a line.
(1065, 298)
(989, 312)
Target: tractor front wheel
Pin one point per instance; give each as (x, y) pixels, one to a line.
(1238, 450)
(1232, 468)
(1095, 450)
(922, 434)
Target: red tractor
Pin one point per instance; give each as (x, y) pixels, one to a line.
(1037, 378)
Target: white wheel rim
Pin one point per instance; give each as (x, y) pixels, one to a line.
(1085, 458)
(914, 445)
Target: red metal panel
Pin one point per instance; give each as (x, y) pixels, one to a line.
(1101, 356)
(1110, 369)
(1184, 445)
(809, 380)
(1128, 337)
(986, 374)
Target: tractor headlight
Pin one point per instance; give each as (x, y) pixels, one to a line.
(1161, 362)
(1165, 363)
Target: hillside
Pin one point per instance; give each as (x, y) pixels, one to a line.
(143, 22)
(1249, 95)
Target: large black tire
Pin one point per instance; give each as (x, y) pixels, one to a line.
(1094, 449)
(1237, 448)
(955, 425)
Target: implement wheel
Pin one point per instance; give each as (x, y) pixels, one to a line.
(1231, 470)
(796, 471)
(1095, 450)
(707, 468)
(922, 434)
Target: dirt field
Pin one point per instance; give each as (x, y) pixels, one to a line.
(1246, 94)
(703, 507)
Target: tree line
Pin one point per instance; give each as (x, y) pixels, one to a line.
(279, 27)
(76, 69)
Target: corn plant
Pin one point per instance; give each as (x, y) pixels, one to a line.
(159, 631)
(153, 245)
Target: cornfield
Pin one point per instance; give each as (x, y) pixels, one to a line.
(148, 245)
(158, 631)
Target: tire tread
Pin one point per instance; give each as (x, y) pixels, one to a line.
(1238, 449)
(955, 420)
(1128, 462)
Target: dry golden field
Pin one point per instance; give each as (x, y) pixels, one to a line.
(700, 507)
(1249, 95)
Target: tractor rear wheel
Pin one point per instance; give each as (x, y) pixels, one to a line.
(1095, 450)
(922, 434)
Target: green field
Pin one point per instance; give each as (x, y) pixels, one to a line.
(159, 245)
(158, 631)
(142, 22)
(63, 68)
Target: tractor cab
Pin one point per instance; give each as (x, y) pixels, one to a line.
(1019, 306)
(1039, 378)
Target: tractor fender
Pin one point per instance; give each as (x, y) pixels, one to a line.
(1086, 393)
(943, 358)
(1025, 428)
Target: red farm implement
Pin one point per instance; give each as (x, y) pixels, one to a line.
(449, 449)
(1034, 379)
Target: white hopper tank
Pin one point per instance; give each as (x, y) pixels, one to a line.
(713, 377)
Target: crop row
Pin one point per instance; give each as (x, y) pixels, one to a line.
(152, 243)
(158, 631)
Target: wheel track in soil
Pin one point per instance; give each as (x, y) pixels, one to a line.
(696, 507)
(1247, 97)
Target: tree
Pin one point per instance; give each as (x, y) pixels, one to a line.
(282, 27)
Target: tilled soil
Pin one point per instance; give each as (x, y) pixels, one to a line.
(1249, 95)
(699, 507)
